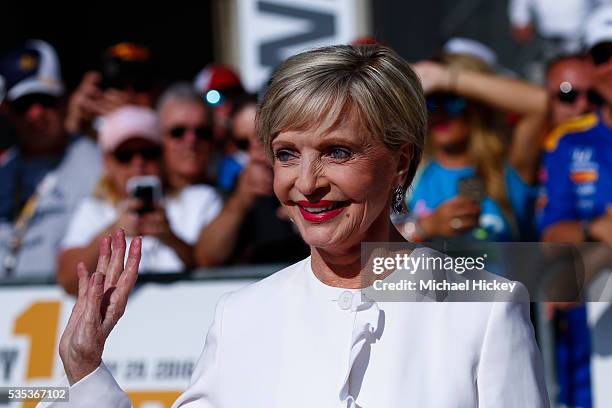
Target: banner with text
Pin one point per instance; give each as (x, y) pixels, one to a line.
(151, 352)
(272, 30)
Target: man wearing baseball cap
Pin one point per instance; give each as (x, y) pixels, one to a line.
(44, 175)
(578, 187)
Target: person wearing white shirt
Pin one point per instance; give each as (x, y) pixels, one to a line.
(131, 142)
(344, 127)
(188, 211)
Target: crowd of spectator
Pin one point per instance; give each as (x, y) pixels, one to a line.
(506, 160)
(81, 158)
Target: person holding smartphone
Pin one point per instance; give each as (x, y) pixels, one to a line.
(129, 196)
(124, 77)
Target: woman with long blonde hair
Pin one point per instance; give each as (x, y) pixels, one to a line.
(475, 180)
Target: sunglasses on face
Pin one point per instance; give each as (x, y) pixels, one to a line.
(452, 105)
(201, 133)
(601, 53)
(23, 104)
(125, 156)
(571, 96)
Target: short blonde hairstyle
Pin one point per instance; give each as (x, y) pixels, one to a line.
(322, 86)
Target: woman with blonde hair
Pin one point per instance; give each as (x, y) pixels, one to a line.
(344, 127)
(475, 181)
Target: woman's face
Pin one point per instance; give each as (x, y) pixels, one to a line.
(134, 157)
(336, 185)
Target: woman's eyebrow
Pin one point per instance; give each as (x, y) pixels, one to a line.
(282, 142)
(333, 140)
(343, 140)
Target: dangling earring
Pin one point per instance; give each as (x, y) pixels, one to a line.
(398, 199)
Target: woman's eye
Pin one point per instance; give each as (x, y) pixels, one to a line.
(283, 155)
(339, 153)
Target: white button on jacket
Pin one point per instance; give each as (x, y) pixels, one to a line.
(292, 341)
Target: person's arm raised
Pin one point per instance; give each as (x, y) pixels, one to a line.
(503, 93)
(218, 239)
(500, 92)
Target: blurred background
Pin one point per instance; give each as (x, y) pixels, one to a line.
(187, 36)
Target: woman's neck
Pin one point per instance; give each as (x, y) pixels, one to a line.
(343, 268)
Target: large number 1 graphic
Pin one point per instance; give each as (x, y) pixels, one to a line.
(39, 323)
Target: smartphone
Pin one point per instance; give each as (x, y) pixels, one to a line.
(472, 187)
(111, 75)
(147, 189)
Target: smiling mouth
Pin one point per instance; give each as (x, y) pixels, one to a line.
(321, 211)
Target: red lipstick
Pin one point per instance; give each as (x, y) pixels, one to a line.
(335, 208)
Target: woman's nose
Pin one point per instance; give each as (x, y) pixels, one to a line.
(308, 179)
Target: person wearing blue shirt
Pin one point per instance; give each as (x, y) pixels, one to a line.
(474, 185)
(576, 203)
(437, 184)
(578, 174)
(578, 160)
(577, 169)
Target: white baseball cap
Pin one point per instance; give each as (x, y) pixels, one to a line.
(476, 49)
(32, 68)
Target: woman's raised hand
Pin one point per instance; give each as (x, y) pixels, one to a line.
(435, 77)
(101, 301)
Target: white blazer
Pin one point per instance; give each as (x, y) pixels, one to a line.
(292, 341)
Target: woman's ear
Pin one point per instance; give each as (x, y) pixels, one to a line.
(403, 164)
